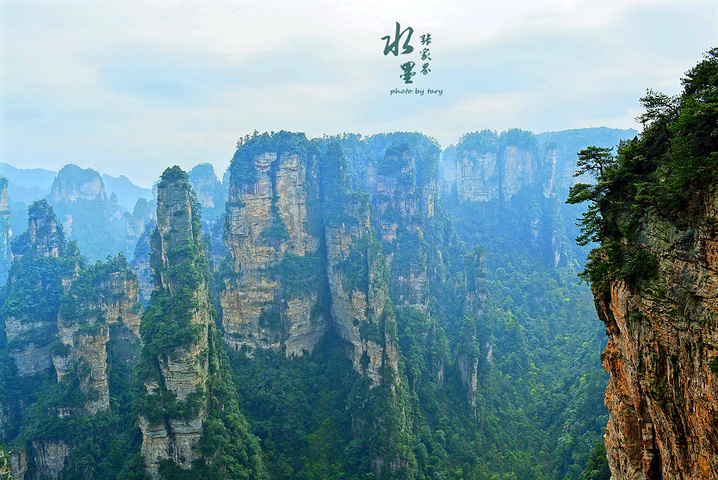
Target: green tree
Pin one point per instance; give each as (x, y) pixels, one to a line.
(597, 464)
(662, 172)
(5, 471)
(599, 162)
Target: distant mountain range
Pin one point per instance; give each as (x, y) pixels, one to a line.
(29, 184)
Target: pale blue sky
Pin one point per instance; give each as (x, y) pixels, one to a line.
(131, 87)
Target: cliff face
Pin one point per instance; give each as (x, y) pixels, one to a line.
(181, 359)
(212, 197)
(306, 262)
(477, 176)
(358, 282)
(59, 318)
(44, 235)
(5, 230)
(210, 193)
(88, 216)
(137, 223)
(37, 273)
(473, 349)
(654, 281)
(662, 396)
(269, 230)
(362, 310)
(184, 372)
(50, 458)
(141, 263)
(489, 166)
(485, 166)
(103, 296)
(509, 179)
(75, 184)
(402, 204)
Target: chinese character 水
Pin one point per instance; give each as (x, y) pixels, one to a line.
(393, 47)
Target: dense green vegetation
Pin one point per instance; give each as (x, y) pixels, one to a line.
(243, 172)
(537, 410)
(178, 318)
(657, 173)
(479, 295)
(44, 410)
(597, 465)
(92, 289)
(539, 398)
(5, 469)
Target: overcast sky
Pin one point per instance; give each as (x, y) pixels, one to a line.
(131, 87)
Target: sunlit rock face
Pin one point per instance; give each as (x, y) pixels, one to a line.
(183, 370)
(87, 323)
(662, 395)
(270, 299)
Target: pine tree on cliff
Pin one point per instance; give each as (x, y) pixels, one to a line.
(653, 211)
(189, 416)
(667, 171)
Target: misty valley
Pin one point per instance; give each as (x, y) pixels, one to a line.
(342, 307)
(373, 307)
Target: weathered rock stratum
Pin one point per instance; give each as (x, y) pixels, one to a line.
(662, 396)
(181, 305)
(655, 278)
(182, 365)
(59, 318)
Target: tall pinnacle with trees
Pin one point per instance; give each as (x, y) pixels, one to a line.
(189, 416)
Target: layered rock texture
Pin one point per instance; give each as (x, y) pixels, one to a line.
(662, 394)
(5, 229)
(302, 239)
(101, 305)
(60, 318)
(181, 305)
(92, 218)
(41, 268)
(182, 364)
(490, 167)
(357, 273)
(211, 194)
(372, 336)
(654, 281)
(485, 166)
(271, 298)
(212, 197)
(314, 235)
(141, 263)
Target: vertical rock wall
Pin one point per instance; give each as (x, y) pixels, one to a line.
(491, 167)
(270, 301)
(102, 296)
(30, 330)
(358, 283)
(180, 368)
(5, 230)
(663, 335)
